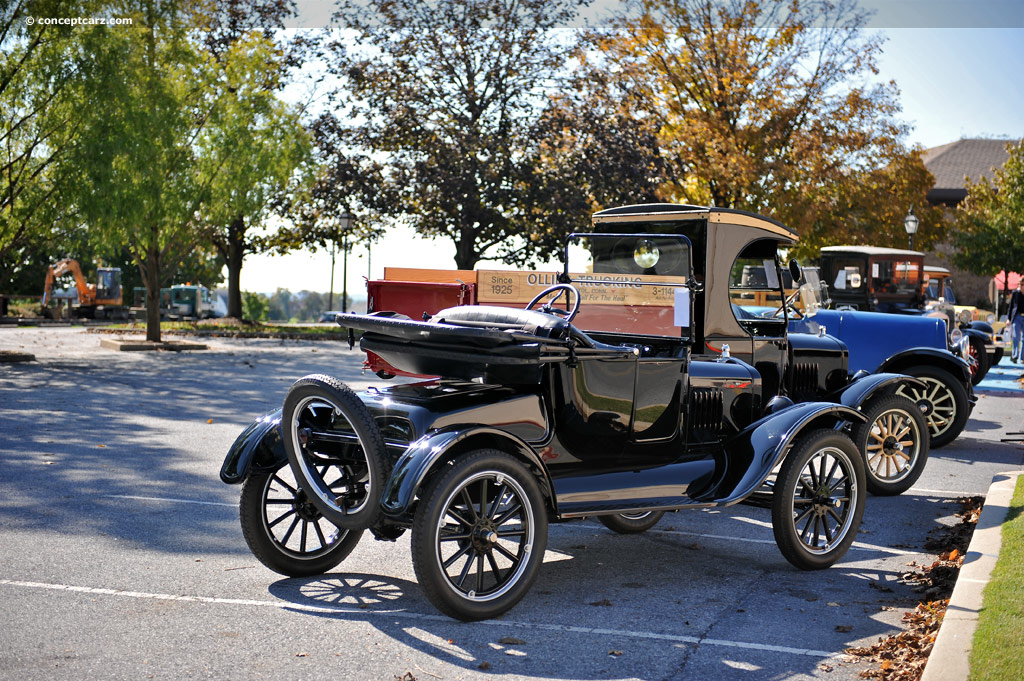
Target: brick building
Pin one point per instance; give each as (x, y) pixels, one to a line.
(951, 164)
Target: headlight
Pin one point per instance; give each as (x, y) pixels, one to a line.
(955, 336)
(965, 317)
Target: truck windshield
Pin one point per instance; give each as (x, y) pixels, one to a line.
(632, 283)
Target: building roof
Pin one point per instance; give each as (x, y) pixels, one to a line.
(950, 163)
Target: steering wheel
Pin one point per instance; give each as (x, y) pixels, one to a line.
(789, 303)
(558, 290)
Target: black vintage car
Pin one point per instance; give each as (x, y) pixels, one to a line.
(630, 387)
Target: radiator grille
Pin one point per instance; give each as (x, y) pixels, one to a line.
(706, 410)
(805, 378)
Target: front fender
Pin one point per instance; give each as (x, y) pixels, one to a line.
(855, 394)
(431, 450)
(764, 443)
(259, 446)
(944, 359)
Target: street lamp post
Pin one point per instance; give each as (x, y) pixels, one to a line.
(345, 220)
(910, 224)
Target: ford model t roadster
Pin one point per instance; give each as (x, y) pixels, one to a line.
(618, 390)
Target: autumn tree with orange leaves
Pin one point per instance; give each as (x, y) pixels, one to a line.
(773, 108)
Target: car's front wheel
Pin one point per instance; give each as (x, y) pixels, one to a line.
(894, 441)
(285, 531)
(978, 359)
(479, 535)
(943, 400)
(631, 523)
(818, 499)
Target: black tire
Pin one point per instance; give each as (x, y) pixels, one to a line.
(943, 401)
(287, 533)
(335, 450)
(894, 442)
(980, 367)
(451, 522)
(818, 499)
(631, 523)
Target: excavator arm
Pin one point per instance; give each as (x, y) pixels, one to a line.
(86, 291)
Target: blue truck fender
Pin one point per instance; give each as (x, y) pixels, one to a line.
(766, 442)
(942, 359)
(432, 449)
(258, 447)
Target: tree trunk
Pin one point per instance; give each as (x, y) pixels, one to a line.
(236, 251)
(151, 278)
(466, 256)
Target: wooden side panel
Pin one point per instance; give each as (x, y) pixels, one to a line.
(430, 275)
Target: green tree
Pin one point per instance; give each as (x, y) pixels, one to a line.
(255, 306)
(769, 107)
(248, 152)
(448, 92)
(141, 188)
(989, 227)
(42, 103)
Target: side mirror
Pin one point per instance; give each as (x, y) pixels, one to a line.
(794, 271)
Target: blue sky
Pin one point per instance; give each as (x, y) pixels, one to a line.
(954, 83)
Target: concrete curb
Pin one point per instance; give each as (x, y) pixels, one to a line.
(949, 658)
(143, 345)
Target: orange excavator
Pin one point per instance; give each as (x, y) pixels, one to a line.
(99, 300)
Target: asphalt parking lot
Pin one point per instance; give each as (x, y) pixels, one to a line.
(123, 558)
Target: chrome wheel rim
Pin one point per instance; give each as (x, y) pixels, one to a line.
(330, 456)
(824, 500)
(936, 401)
(484, 536)
(292, 523)
(893, 445)
(636, 515)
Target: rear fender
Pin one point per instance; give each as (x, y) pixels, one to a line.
(862, 390)
(763, 444)
(258, 447)
(435, 448)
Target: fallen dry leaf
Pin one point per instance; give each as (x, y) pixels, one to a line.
(844, 628)
(616, 653)
(484, 665)
(209, 420)
(603, 602)
(511, 641)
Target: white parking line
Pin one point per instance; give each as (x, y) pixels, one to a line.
(167, 499)
(944, 493)
(363, 614)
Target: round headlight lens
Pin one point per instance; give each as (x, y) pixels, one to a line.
(965, 317)
(955, 336)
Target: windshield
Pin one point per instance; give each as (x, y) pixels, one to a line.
(632, 283)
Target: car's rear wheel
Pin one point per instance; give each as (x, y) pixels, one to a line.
(631, 523)
(285, 531)
(335, 450)
(942, 400)
(479, 535)
(894, 441)
(818, 499)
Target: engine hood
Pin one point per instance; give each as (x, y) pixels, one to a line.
(873, 337)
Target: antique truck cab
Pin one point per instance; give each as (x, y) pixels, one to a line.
(874, 279)
(607, 389)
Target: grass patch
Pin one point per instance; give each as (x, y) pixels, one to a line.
(997, 653)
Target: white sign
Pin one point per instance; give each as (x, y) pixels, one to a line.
(681, 308)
